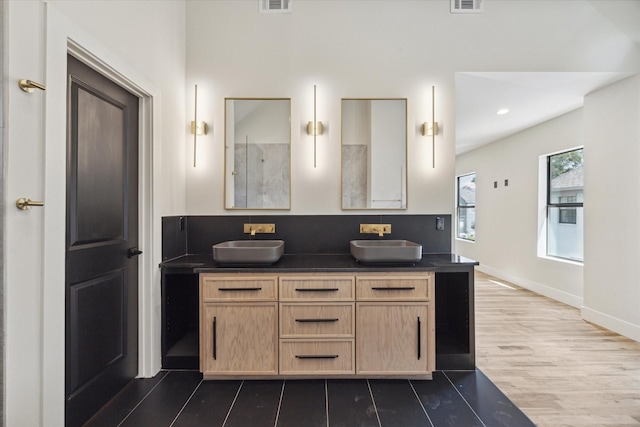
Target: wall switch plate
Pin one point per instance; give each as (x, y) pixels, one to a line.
(439, 223)
(495, 184)
(506, 182)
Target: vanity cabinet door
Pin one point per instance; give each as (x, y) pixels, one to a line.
(239, 339)
(394, 338)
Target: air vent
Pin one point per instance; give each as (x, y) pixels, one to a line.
(466, 6)
(275, 6)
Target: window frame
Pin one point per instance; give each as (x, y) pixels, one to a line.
(459, 207)
(560, 205)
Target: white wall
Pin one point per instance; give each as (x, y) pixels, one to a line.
(612, 228)
(144, 41)
(507, 217)
(373, 49)
(23, 299)
(150, 37)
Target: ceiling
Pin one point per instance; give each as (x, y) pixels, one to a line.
(531, 97)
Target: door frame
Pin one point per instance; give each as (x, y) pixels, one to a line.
(62, 38)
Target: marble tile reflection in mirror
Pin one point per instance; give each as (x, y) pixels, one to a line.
(257, 153)
(374, 153)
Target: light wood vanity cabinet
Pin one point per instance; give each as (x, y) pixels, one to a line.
(395, 324)
(298, 325)
(317, 325)
(238, 325)
(392, 338)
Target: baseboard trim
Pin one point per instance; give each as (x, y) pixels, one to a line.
(614, 324)
(547, 291)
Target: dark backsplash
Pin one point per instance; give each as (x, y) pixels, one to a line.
(303, 234)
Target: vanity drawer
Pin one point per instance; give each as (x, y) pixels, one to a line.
(320, 287)
(313, 357)
(257, 287)
(309, 320)
(391, 287)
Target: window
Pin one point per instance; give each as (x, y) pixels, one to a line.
(466, 208)
(565, 189)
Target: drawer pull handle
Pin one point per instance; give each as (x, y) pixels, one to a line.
(317, 289)
(319, 356)
(238, 289)
(316, 320)
(419, 338)
(398, 288)
(215, 333)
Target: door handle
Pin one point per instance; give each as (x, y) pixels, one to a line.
(215, 339)
(319, 356)
(25, 203)
(133, 252)
(419, 338)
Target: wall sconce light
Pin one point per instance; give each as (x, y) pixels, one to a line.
(317, 130)
(315, 127)
(197, 127)
(428, 128)
(431, 128)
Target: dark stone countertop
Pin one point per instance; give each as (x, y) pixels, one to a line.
(319, 263)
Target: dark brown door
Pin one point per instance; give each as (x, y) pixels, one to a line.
(102, 240)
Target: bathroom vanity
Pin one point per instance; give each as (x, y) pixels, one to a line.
(317, 311)
(317, 324)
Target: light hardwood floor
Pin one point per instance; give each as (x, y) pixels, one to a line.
(559, 369)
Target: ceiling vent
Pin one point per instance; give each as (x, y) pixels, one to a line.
(275, 6)
(466, 6)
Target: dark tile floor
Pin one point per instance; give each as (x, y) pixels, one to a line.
(182, 399)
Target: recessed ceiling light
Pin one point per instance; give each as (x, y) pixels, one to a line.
(502, 111)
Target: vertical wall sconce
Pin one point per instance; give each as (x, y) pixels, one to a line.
(197, 128)
(315, 127)
(431, 128)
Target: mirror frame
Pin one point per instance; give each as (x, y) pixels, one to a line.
(224, 193)
(406, 154)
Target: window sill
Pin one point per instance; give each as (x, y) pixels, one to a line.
(564, 260)
(460, 239)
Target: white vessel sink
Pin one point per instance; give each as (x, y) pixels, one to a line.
(248, 251)
(386, 251)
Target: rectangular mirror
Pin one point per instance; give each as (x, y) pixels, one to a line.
(257, 153)
(374, 153)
